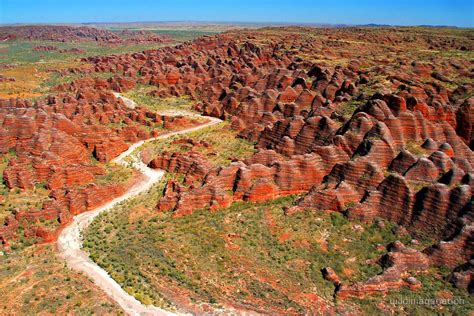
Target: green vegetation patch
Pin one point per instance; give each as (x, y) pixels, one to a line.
(415, 148)
(116, 174)
(21, 51)
(223, 147)
(348, 108)
(183, 35)
(142, 98)
(56, 79)
(177, 34)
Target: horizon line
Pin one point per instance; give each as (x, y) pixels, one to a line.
(264, 23)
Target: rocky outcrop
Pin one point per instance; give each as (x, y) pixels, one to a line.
(61, 144)
(255, 181)
(465, 122)
(396, 148)
(398, 263)
(62, 33)
(192, 165)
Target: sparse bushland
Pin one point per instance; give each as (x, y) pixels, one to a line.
(31, 86)
(238, 255)
(116, 174)
(180, 35)
(35, 281)
(56, 79)
(141, 97)
(224, 146)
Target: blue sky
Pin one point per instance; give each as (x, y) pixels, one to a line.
(397, 12)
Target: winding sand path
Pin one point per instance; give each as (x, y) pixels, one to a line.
(70, 241)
